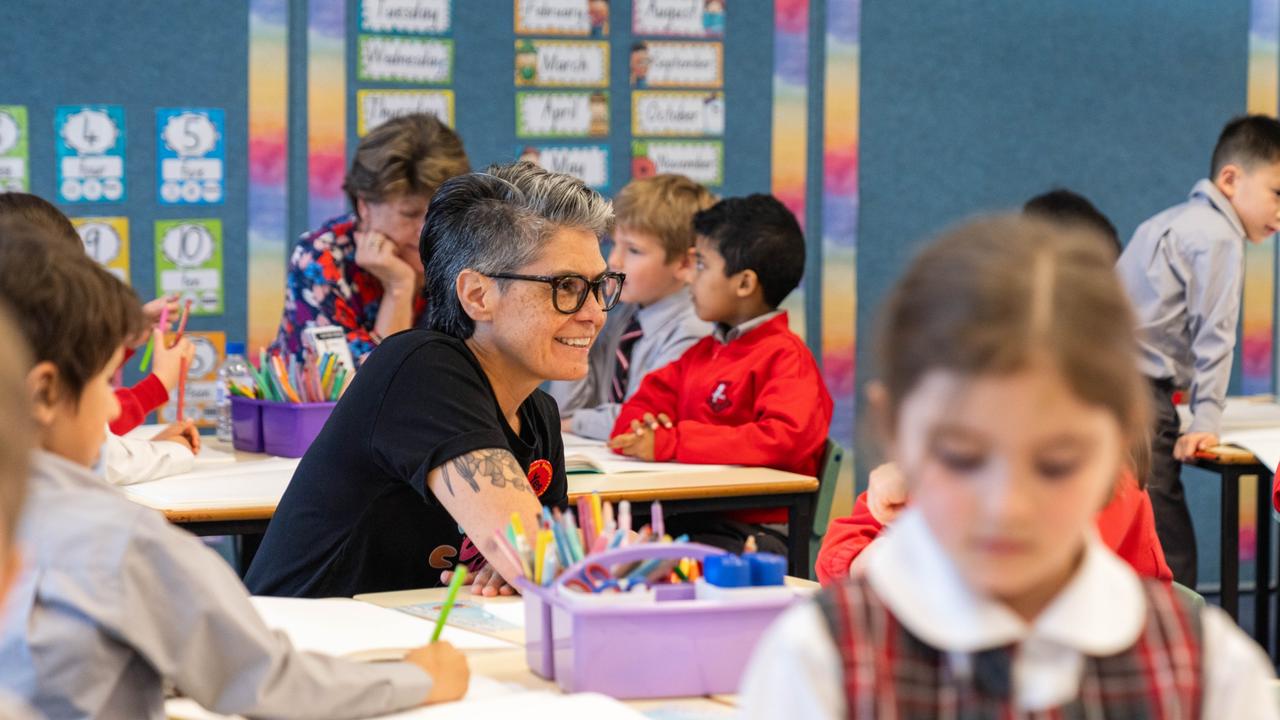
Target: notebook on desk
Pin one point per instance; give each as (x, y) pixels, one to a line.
(593, 456)
(241, 484)
(358, 630)
(477, 705)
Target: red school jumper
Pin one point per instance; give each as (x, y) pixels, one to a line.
(757, 400)
(138, 401)
(1127, 526)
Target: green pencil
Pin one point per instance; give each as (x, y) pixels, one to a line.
(459, 576)
(146, 354)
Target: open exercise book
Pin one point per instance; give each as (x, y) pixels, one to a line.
(363, 631)
(1264, 443)
(486, 698)
(359, 630)
(584, 456)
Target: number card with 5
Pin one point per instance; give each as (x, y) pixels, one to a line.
(190, 156)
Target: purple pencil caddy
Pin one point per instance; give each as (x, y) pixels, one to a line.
(288, 429)
(246, 424)
(664, 642)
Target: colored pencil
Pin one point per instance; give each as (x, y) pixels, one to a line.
(459, 577)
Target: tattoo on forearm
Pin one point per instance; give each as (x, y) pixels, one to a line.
(498, 466)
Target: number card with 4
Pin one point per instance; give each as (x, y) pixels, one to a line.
(189, 262)
(90, 151)
(190, 156)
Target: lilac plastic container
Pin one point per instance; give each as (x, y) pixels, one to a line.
(289, 428)
(246, 424)
(672, 646)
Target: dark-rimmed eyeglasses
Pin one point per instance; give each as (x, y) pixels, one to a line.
(569, 291)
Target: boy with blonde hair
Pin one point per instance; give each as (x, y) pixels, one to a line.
(653, 245)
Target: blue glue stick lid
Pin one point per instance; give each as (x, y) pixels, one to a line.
(766, 568)
(726, 570)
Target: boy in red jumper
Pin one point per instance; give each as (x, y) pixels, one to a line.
(1126, 524)
(749, 394)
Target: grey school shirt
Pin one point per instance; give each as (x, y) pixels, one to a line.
(670, 327)
(1183, 271)
(115, 602)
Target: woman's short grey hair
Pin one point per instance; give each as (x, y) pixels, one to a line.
(498, 221)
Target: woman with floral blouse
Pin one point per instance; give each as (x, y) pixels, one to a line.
(362, 271)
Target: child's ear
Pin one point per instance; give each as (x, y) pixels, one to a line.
(685, 264)
(748, 283)
(477, 294)
(1228, 179)
(881, 416)
(43, 389)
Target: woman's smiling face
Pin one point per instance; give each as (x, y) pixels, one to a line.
(548, 343)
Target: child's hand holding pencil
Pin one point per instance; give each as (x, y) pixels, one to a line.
(446, 666)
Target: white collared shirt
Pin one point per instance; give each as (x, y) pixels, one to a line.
(796, 670)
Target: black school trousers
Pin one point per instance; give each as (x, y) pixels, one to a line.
(1164, 485)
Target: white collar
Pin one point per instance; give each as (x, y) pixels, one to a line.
(726, 334)
(1100, 612)
(1210, 192)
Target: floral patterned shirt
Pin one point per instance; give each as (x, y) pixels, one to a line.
(325, 286)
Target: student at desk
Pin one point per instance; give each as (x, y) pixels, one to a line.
(444, 434)
(15, 449)
(116, 603)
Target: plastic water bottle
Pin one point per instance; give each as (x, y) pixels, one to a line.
(235, 368)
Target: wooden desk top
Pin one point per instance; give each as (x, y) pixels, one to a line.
(251, 488)
(510, 665)
(1228, 455)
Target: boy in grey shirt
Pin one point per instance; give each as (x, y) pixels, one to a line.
(115, 602)
(15, 449)
(653, 246)
(1183, 271)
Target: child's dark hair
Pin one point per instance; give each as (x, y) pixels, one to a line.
(1073, 210)
(758, 233)
(998, 295)
(1247, 141)
(40, 213)
(70, 310)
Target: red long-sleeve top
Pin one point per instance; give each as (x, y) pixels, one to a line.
(1127, 525)
(756, 400)
(137, 402)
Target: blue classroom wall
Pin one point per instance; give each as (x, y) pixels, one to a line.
(142, 56)
(484, 36)
(969, 107)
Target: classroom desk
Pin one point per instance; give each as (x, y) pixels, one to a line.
(226, 500)
(1236, 466)
(510, 665)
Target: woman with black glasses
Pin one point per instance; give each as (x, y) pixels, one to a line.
(444, 434)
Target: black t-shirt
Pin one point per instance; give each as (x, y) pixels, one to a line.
(358, 516)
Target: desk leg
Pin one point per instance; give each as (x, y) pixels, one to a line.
(1262, 596)
(1230, 550)
(799, 531)
(247, 547)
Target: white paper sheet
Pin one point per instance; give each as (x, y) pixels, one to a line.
(223, 485)
(350, 628)
(486, 698)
